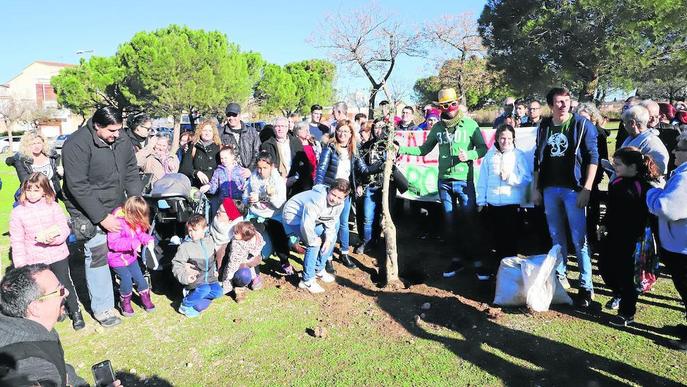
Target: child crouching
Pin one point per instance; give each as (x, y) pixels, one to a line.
(242, 269)
(194, 267)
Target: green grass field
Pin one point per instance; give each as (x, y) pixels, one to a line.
(379, 337)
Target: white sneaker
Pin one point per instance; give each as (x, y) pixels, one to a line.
(312, 286)
(325, 277)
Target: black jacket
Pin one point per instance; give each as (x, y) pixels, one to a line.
(98, 176)
(37, 352)
(299, 163)
(205, 160)
(329, 163)
(24, 167)
(248, 146)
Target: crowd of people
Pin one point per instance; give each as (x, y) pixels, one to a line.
(293, 185)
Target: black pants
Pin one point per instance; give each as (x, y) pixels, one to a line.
(617, 267)
(504, 224)
(275, 230)
(676, 264)
(61, 271)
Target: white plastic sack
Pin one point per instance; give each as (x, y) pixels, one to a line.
(530, 281)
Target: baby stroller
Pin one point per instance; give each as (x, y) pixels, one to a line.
(172, 201)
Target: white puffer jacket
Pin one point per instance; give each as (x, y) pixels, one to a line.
(492, 189)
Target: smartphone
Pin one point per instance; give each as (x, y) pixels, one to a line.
(102, 373)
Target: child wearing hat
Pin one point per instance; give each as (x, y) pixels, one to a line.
(242, 268)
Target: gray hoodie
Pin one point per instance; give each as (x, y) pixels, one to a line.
(310, 208)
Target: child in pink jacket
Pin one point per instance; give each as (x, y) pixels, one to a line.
(38, 234)
(125, 246)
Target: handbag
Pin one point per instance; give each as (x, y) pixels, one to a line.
(81, 226)
(646, 261)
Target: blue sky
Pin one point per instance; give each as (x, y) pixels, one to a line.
(56, 30)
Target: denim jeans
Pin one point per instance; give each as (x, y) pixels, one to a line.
(313, 260)
(344, 232)
(98, 278)
(204, 291)
(458, 201)
(372, 203)
(127, 274)
(560, 204)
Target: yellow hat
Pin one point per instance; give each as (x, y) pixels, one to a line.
(447, 95)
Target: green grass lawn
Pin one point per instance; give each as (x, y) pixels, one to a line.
(374, 337)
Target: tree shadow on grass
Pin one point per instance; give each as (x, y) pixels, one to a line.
(516, 357)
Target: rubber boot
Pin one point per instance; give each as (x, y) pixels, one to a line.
(125, 305)
(147, 302)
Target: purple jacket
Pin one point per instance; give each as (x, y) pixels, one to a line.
(123, 245)
(227, 183)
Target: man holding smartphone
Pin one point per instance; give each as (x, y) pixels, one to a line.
(31, 301)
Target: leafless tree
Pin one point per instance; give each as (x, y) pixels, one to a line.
(15, 111)
(368, 39)
(457, 40)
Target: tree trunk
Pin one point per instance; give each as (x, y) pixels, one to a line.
(589, 89)
(371, 102)
(176, 134)
(388, 226)
(9, 136)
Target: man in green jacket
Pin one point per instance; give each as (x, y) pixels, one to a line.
(460, 144)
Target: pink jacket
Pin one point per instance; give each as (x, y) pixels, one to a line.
(123, 245)
(26, 222)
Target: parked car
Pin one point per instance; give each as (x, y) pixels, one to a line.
(5, 144)
(59, 142)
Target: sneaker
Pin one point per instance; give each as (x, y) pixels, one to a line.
(613, 303)
(287, 269)
(108, 319)
(312, 286)
(188, 311)
(484, 276)
(564, 282)
(622, 321)
(325, 277)
(455, 268)
(329, 267)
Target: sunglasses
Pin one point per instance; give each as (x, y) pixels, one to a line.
(448, 105)
(61, 292)
(232, 115)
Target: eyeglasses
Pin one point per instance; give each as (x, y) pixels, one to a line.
(61, 291)
(343, 131)
(232, 115)
(448, 105)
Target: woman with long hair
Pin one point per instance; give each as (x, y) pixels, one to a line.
(340, 160)
(35, 155)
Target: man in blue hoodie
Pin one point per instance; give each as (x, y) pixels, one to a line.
(313, 217)
(566, 159)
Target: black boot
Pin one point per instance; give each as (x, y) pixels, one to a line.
(584, 298)
(329, 267)
(346, 260)
(77, 320)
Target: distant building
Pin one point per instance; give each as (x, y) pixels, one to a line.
(32, 86)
